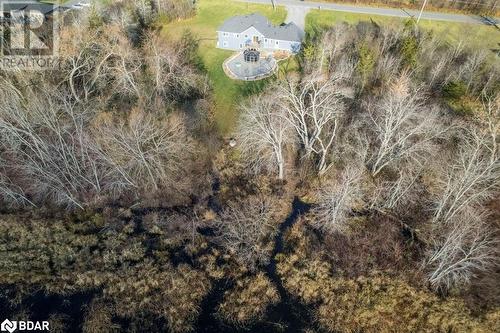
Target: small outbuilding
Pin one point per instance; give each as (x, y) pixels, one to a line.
(251, 55)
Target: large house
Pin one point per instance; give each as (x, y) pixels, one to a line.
(255, 30)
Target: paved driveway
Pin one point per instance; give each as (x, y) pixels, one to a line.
(297, 15)
(377, 11)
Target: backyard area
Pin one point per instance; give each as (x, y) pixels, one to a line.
(228, 93)
(211, 13)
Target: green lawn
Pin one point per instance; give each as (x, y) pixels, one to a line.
(474, 35)
(211, 13)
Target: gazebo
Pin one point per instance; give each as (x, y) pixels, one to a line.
(251, 55)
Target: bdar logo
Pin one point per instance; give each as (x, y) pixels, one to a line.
(8, 325)
(22, 325)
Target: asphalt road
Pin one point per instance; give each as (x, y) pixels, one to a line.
(376, 11)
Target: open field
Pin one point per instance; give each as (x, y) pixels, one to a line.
(473, 35)
(432, 6)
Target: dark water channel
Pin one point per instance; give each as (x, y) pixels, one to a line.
(289, 315)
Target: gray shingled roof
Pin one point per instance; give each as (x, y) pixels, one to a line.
(238, 24)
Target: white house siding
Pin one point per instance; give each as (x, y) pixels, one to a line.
(282, 44)
(249, 34)
(226, 40)
(285, 45)
(234, 43)
(237, 41)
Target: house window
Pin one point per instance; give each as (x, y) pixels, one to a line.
(265, 40)
(246, 36)
(224, 44)
(241, 46)
(225, 34)
(277, 43)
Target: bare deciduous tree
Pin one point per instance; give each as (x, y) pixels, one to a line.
(467, 248)
(45, 133)
(467, 72)
(387, 67)
(264, 133)
(471, 180)
(174, 8)
(403, 126)
(9, 192)
(171, 75)
(246, 229)
(89, 58)
(337, 200)
(145, 152)
(391, 194)
(97, 64)
(490, 121)
(327, 50)
(126, 74)
(144, 10)
(314, 108)
(439, 73)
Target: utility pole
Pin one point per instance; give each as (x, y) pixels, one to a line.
(421, 11)
(274, 4)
